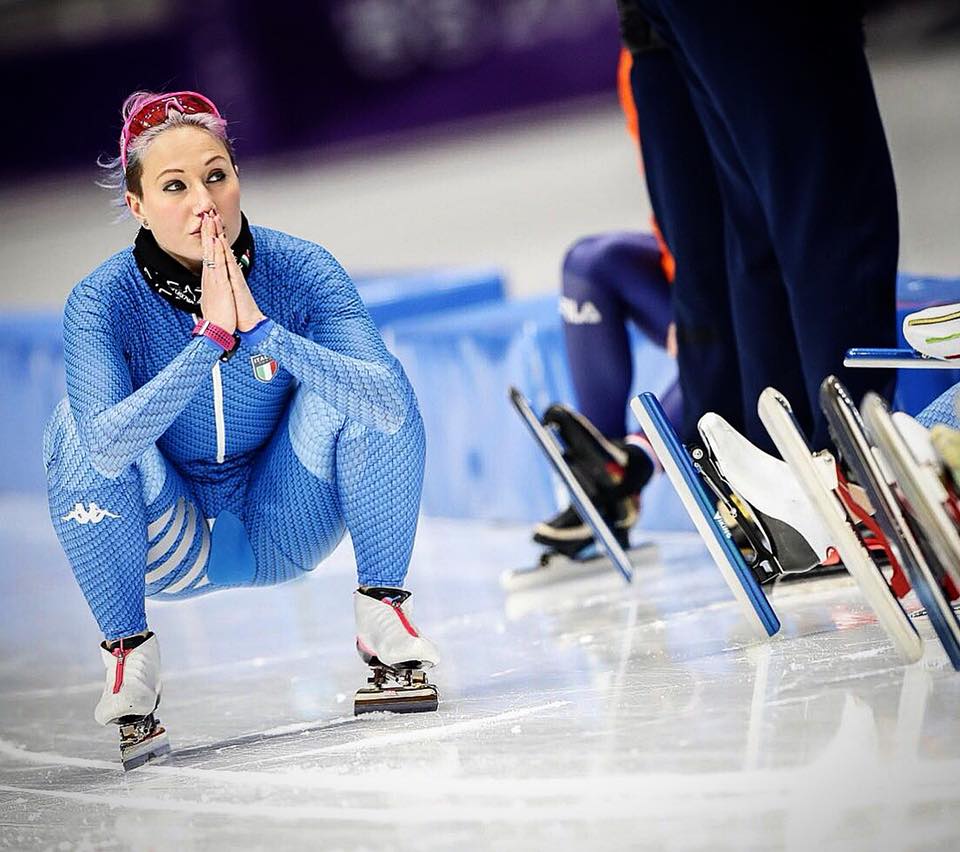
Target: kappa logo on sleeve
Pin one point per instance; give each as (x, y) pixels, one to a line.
(264, 367)
(92, 515)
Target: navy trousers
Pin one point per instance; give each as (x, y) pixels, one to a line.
(686, 202)
(810, 232)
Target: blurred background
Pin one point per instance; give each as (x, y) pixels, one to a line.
(475, 137)
(400, 133)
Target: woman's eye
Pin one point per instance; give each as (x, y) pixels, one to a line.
(173, 186)
(216, 176)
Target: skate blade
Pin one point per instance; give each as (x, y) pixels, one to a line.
(557, 568)
(899, 358)
(401, 699)
(818, 572)
(154, 748)
(679, 468)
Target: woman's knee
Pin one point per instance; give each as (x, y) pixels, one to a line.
(582, 267)
(59, 434)
(68, 465)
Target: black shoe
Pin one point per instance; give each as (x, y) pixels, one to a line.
(608, 470)
(566, 532)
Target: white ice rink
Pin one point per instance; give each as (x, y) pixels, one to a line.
(592, 716)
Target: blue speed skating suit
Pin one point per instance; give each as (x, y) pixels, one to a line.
(171, 473)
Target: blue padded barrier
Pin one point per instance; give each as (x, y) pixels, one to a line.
(394, 297)
(31, 350)
(481, 460)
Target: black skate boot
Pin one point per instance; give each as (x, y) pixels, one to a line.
(611, 472)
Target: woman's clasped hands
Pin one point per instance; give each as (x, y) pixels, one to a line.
(225, 298)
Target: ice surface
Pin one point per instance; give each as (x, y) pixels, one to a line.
(588, 716)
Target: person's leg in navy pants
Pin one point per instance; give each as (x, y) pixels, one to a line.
(785, 97)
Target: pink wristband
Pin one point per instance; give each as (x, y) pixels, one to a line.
(220, 336)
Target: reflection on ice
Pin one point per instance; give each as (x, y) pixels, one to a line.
(590, 714)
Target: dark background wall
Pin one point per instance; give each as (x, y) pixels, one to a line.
(294, 75)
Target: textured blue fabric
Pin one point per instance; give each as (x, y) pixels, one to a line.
(327, 439)
(609, 280)
(942, 410)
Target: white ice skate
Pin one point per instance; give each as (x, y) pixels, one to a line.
(933, 335)
(772, 490)
(131, 694)
(397, 653)
(935, 331)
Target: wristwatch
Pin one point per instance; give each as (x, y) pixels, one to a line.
(226, 341)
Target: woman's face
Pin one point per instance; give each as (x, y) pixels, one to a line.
(186, 173)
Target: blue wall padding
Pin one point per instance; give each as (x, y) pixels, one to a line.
(31, 348)
(461, 352)
(390, 298)
(481, 460)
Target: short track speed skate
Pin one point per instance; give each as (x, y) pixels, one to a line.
(927, 488)
(903, 359)
(130, 697)
(606, 538)
(933, 334)
(704, 491)
(819, 478)
(397, 653)
(857, 451)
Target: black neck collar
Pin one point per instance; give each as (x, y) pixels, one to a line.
(172, 281)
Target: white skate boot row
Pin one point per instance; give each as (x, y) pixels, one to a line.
(764, 518)
(387, 640)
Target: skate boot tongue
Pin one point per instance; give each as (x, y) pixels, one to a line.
(379, 593)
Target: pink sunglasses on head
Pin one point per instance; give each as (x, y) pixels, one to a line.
(155, 111)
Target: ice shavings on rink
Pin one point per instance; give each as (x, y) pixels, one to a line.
(591, 715)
